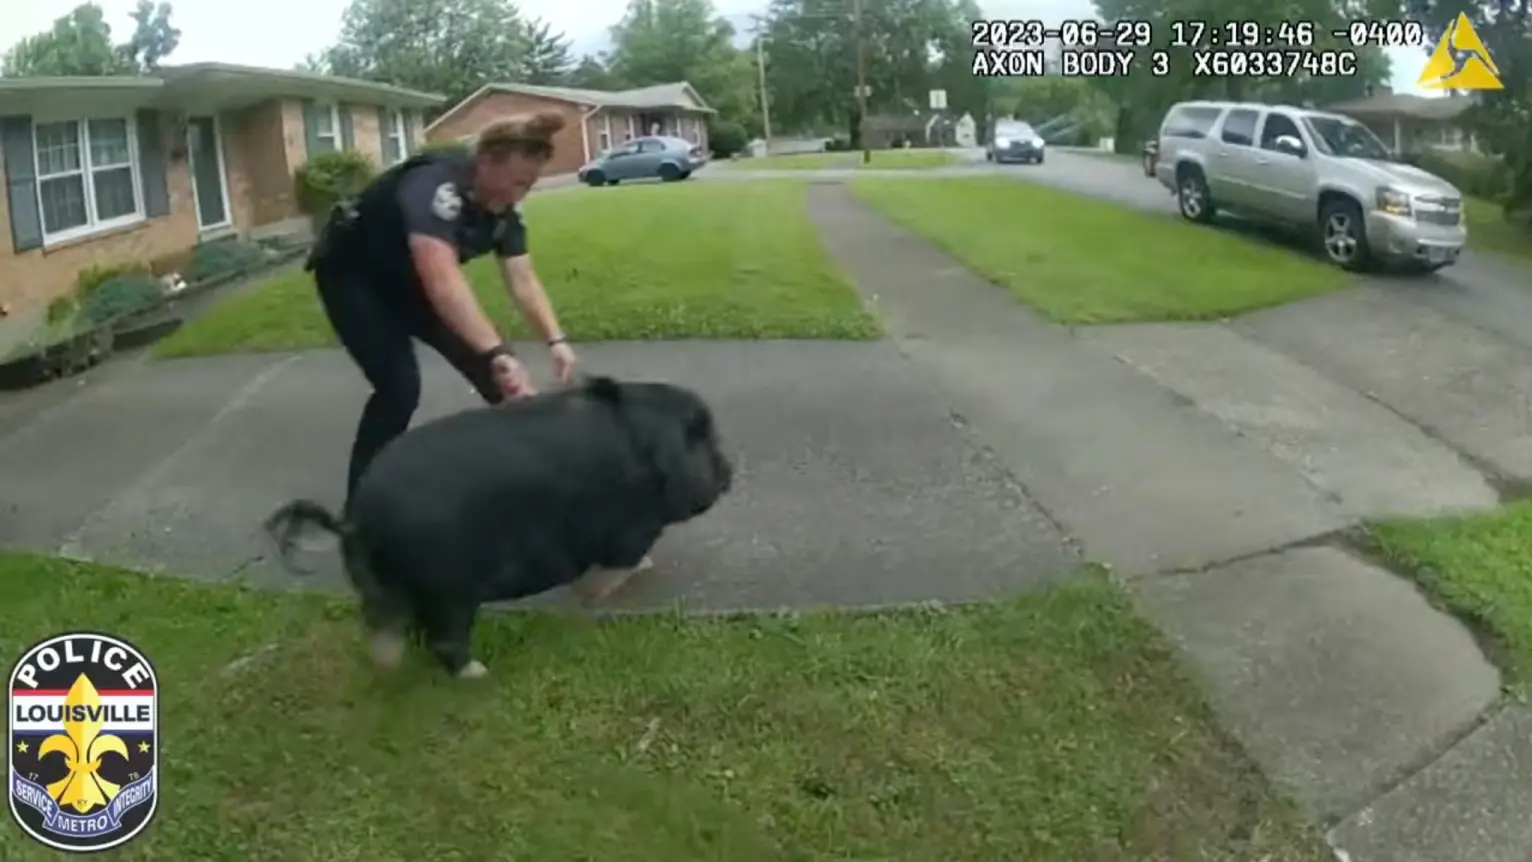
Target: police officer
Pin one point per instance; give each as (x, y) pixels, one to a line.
(388, 268)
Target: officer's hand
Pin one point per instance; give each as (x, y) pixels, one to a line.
(511, 377)
(564, 361)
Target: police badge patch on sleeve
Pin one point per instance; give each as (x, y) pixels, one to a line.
(446, 203)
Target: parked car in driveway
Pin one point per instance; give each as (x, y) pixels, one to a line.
(644, 158)
(1015, 141)
(1314, 171)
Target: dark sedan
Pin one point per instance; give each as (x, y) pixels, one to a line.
(1015, 142)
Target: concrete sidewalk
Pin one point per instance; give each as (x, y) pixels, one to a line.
(1216, 488)
(173, 466)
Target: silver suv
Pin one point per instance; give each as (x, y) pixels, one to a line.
(1309, 169)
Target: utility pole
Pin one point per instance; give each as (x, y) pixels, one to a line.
(760, 65)
(861, 81)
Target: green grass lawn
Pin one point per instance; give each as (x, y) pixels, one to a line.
(1489, 231)
(1055, 728)
(881, 159)
(1081, 260)
(1480, 568)
(726, 260)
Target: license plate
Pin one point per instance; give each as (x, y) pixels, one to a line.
(1436, 254)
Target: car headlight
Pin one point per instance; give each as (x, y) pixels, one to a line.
(1393, 201)
(1037, 142)
(1002, 142)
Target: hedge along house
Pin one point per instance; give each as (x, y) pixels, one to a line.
(597, 119)
(102, 171)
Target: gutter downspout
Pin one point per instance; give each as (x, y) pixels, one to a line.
(585, 131)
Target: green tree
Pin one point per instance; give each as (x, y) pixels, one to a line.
(451, 47)
(812, 70)
(663, 41)
(154, 38)
(80, 43)
(1142, 98)
(952, 71)
(592, 74)
(547, 58)
(1500, 119)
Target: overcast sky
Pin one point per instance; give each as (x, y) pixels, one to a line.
(280, 33)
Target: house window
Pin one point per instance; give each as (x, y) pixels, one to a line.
(395, 149)
(604, 141)
(87, 176)
(327, 128)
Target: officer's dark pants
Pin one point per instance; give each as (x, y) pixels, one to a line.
(376, 327)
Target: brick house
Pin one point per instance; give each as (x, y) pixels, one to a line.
(115, 169)
(1409, 123)
(598, 119)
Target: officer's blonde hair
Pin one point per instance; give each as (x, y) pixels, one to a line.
(523, 134)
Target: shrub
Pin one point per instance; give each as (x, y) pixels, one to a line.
(214, 259)
(62, 308)
(329, 177)
(121, 295)
(1478, 175)
(726, 138)
(90, 279)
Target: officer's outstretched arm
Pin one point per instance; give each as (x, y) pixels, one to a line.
(431, 206)
(521, 280)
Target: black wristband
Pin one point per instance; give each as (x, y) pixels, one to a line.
(562, 339)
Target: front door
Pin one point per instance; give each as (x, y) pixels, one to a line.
(204, 147)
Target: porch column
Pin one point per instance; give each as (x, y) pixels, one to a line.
(1397, 149)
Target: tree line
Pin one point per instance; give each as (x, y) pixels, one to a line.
(807, 50)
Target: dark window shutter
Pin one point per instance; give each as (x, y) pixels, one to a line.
(383, 146)
(310, 128)
(347, 131)
(21, 183)
(152, 156)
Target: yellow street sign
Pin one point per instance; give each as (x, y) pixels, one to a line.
(1460, 62)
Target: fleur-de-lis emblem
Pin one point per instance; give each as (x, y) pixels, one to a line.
(83, 744)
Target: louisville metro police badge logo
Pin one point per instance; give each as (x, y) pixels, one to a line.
(82, 714)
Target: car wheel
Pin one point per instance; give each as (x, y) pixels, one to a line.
(595, 179)
(686, 174)
(1192, 196)
(1149, 166)
(989, 155)
(669, 172)
(1343, 230)
(1039, 159)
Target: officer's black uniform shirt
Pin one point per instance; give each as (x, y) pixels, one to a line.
(428, 195)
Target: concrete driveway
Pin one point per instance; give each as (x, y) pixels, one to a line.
(170, 467)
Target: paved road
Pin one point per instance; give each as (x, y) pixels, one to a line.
(1487, 291)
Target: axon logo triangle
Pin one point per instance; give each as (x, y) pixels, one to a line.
(1460, 62)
